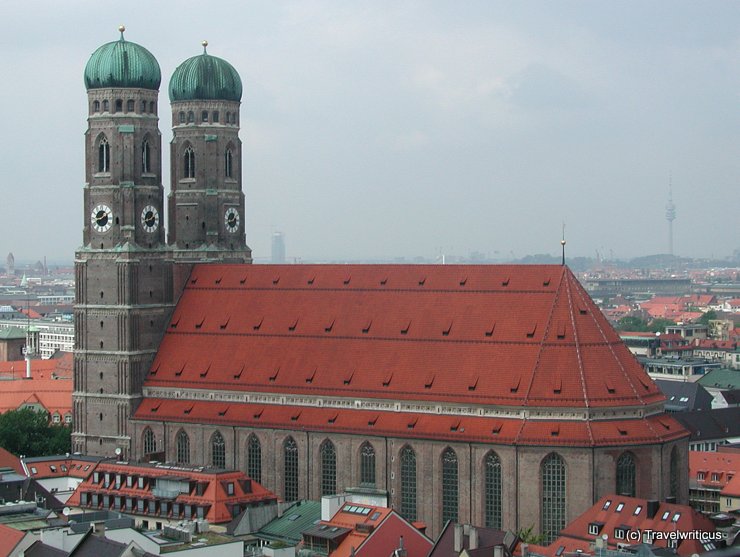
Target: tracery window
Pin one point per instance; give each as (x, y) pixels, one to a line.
(119, 105)
(254, 458)
(626, 475)
(182, 448)
(189, 163)
(96, 106)
(103, 155)
(290, 461)
(492, 488)
(191, 117)
(181, 117)
(674, 482)
(218, 450)
(449, 486)
(130, 106)
(408, 483)
(367, 465)
(328, 468)
(553, 481)
(150, 442)
(204, 116)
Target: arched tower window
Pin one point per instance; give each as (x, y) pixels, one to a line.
(290, 473)
(214, 116)
(143, 107)
(228, 117)
(191, 117)
(673, 488)
(96, 106)
(150, 442)
(552, 508)
(204, 116)
(218, 450)
(130, 106)
(228, 162)
(182, 448)
(105, 106)
(408, 483)
(328, 468)
(181, 117)
(367, 465)
(119, 105)
(189, 163)
(145, 157)
(152, 107)
(626, 472)
(254, 458)
(492, 491)
(103, 155)
(449, 486)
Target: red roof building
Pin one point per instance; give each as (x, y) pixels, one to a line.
(358, 530)
(160, 494)
(314, 376)
(709, 472)
(624, 521)
(49, 388)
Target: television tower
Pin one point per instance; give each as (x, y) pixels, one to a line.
(670, 215)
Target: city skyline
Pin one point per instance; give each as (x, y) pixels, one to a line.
(387, 131)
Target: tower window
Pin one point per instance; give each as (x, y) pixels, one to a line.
(130, 105)
(105, 106)
(152, 107)
(182, 444)
(191, 117)
(143, 107)
(119, 105)
(103, 156)
(189, 163)
(367, 465)
(492, 491)
(328, 468)
(228, 117)
(204, 116)
(215, 116)
(145, 167)
(626, 475)
(553, 487)
(96, 106)
(150, 443)
(449, 486)
(254, 458)
(218, 450)
(290, 476)
(228, 162)
(181, 117)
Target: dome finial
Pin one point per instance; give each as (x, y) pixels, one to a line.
(121, 28)
(205, 45)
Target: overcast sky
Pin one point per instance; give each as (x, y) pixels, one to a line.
(383, 129)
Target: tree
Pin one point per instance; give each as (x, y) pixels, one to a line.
(632, 323)
(658, 325)
(527, 535)
(707, 317)
(28, 432)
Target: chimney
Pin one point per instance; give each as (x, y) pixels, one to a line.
(652, 507)
(498, 551)
(28, 364)
(473, 537)
(458, 538)
(671, 500)
(401, 551)
(525, 549)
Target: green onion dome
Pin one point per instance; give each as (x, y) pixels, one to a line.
(205, 77)
(122, 64)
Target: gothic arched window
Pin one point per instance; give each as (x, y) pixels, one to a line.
(674, 482)
(626, 475)
(492, 491)
(191, 117)
(130, 106)
(290, 476)
(553, 483)
(150, 443)
(103, 155)
(218, 450)
(143, 107)
(181, 117)
(328, 468)
(145, 157)
(408, 483)
(119, 105)
(204, 116)
(96, 106)
(189, 163)
(254, 458)
(182, 448)
(367, 465)
(449, 486)
(228, 160)
(152, 107)
(105, 105)
(214, 116)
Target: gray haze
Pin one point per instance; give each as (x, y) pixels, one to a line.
(386, 128)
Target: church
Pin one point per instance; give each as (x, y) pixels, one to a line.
(497, 395)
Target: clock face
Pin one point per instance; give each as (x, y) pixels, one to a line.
(101, 218)
(231, 219)
(150, 218)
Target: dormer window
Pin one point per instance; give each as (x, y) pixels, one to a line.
(700, 476)
(620, 532)
(594, 528)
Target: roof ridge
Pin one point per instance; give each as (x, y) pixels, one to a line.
(577, 344)
(544, 337)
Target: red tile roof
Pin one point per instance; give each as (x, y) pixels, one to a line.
(73, 466)
(50, 386)
(629, 513)
(732, 488)
(9, 460)
(9, 539)
(723, 465)
(214, 495)
(500, 335)
(659, 428)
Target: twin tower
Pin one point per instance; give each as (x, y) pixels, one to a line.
(129, 272)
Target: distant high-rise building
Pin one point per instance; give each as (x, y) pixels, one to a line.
(670, 215)
(10, 264)
(278, 247)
